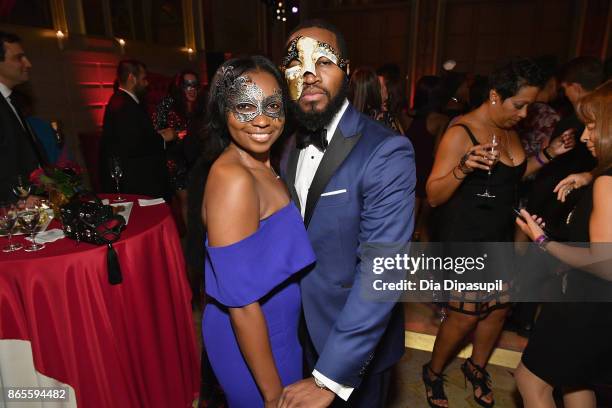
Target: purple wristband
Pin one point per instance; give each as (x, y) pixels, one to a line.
(537, 156)
(540, 239)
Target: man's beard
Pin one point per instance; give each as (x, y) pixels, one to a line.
(312, 120)
(140, 92)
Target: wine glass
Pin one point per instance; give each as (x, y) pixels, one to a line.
(493, 151)
(22, 190)
(8, 219)
(116, 174)
(57, 130)
(30, 220)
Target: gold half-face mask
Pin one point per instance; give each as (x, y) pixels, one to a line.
(306, 51)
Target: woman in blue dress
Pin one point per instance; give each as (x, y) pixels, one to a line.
(256, 241)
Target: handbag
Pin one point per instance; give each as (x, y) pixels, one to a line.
(86, 218)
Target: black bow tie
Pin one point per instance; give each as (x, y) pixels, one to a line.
(318, 138)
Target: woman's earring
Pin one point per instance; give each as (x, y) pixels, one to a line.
(493, 102)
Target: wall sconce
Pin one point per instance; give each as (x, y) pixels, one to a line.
(449, 65)
(60, 39)
(121, 42)
(190, 53)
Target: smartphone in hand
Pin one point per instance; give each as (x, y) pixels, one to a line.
(520, 216)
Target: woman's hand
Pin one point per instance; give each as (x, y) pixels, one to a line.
(272, 403)
(531, 225)
(168, 134)
(562, 144)
(479, 157)
(571, 182)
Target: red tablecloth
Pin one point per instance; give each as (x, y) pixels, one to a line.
(127, 345)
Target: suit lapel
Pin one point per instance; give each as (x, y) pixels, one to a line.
(16, 119)
(338, 150)
(292, 163)
(22, 124)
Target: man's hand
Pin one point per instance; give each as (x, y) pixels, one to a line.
(305, 394)
(168, 134)
(563, 143)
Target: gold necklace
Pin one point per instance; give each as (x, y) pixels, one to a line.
(505, 145)
(276, 176)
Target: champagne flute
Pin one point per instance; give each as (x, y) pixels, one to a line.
(493, 151)
(116, 174)
(57, 130)
(22, 190)
(8, 219)
(30, 221)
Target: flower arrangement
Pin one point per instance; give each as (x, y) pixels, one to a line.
(64, 178)
(60, 181)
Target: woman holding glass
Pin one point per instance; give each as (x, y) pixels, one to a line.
(478, 166)
(570, 346)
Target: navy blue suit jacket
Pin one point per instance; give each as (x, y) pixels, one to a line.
(354, 336)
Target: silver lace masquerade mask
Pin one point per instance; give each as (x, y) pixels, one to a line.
(246, 100)
(306, 51)
(191, 84)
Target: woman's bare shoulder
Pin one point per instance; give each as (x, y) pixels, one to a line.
(229, 179)
(231, 203)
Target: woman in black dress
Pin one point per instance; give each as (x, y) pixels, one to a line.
(459, 176)
(571, 344)
(180, 110)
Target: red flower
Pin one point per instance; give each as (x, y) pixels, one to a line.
(64, 163)
(35, 176)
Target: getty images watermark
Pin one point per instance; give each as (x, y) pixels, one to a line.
(475, 271)
(446, 264)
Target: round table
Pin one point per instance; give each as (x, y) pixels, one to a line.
(126, 345)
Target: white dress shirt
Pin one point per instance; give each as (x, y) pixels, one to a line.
(6, 93)
(309, 160)
(308, 163)
(134, 97)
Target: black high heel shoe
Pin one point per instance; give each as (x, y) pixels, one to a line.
(480, 379)
(435, 386)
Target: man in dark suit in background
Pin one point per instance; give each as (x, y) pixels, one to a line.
(20, 151)
(128, 135)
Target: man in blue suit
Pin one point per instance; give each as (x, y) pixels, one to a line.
(353, 180)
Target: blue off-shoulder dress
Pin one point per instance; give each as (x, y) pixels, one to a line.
(262, 267)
